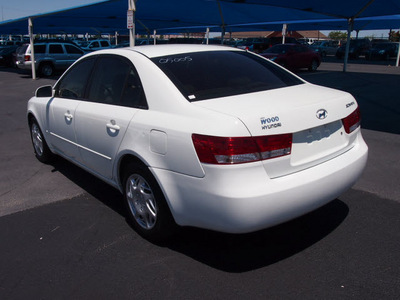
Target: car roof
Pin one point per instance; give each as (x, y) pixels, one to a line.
(173, 49)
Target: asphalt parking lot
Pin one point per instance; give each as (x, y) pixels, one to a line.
(63, 232)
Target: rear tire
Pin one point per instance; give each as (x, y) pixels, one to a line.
(147, 209)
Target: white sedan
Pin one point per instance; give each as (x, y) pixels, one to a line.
(205, 136)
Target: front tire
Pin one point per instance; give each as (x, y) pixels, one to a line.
(147, 209)
(40, 147)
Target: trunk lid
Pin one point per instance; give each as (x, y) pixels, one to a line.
(311, 113)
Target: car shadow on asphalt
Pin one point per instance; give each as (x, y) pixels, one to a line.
(227, 252)
(245, 252)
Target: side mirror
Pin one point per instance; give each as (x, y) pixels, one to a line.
(44, 91)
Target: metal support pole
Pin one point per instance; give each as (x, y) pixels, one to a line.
(398, 55)
(222, 22)
(154, 35)
(207, 35)
(31, 40)
(284, 30)
(346, 55)
(131, 21)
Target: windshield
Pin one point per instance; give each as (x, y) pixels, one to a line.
(278, 49)
(317, 44)
(213, 74)
(382, 46)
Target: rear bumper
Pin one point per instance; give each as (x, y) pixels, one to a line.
(27, 65)
(240, 199)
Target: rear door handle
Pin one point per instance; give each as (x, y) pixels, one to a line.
(113, 126)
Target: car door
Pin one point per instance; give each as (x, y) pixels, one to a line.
(303, 58)
(58, 56)
(115, 94)
(73, 53)
(69, 93)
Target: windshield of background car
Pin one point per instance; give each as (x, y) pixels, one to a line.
(213, 74)
(278, 49)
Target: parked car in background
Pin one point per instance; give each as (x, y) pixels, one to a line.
(10, 43)
(356, 49)
(199, 135)
(325, 48)
(7, 55)
(259, 45)
(383, 51)
(49, 56)
(96, 45)
(293, 56)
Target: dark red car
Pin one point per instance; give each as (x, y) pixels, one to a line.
(293, 56)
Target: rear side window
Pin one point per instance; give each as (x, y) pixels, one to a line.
(56, 49)
(213, 74)
(39, 48)
(115, 81)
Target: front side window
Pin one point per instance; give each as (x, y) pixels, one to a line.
(213, 74)
(71, 49)
(39, 48)
(73, 84)
(94, 45)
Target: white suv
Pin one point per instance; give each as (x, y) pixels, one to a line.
(97, 45)
(49, 56)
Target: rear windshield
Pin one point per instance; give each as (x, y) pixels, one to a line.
(213, 74)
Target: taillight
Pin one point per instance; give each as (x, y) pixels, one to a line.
(352, 121)
(237, 150)
(27, 57)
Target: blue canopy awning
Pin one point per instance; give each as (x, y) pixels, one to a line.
(196, 15)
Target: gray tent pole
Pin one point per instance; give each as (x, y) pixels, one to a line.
(223, 22)
(132, 8)
(284, 30)
(398, 55)
(30, 28)
(346, 55)
(207, 35)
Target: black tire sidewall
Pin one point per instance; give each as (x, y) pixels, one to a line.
(47, 155)
(42, 66)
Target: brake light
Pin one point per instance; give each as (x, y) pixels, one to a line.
(237, 150)
(27, 57)
(352, 121)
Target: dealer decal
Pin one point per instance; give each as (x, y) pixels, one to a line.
(270, 123)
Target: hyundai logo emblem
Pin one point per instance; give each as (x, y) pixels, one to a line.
(322, 114)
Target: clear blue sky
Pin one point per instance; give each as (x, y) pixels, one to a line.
(13, 9)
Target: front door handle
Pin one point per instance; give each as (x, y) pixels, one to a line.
(68, 117)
